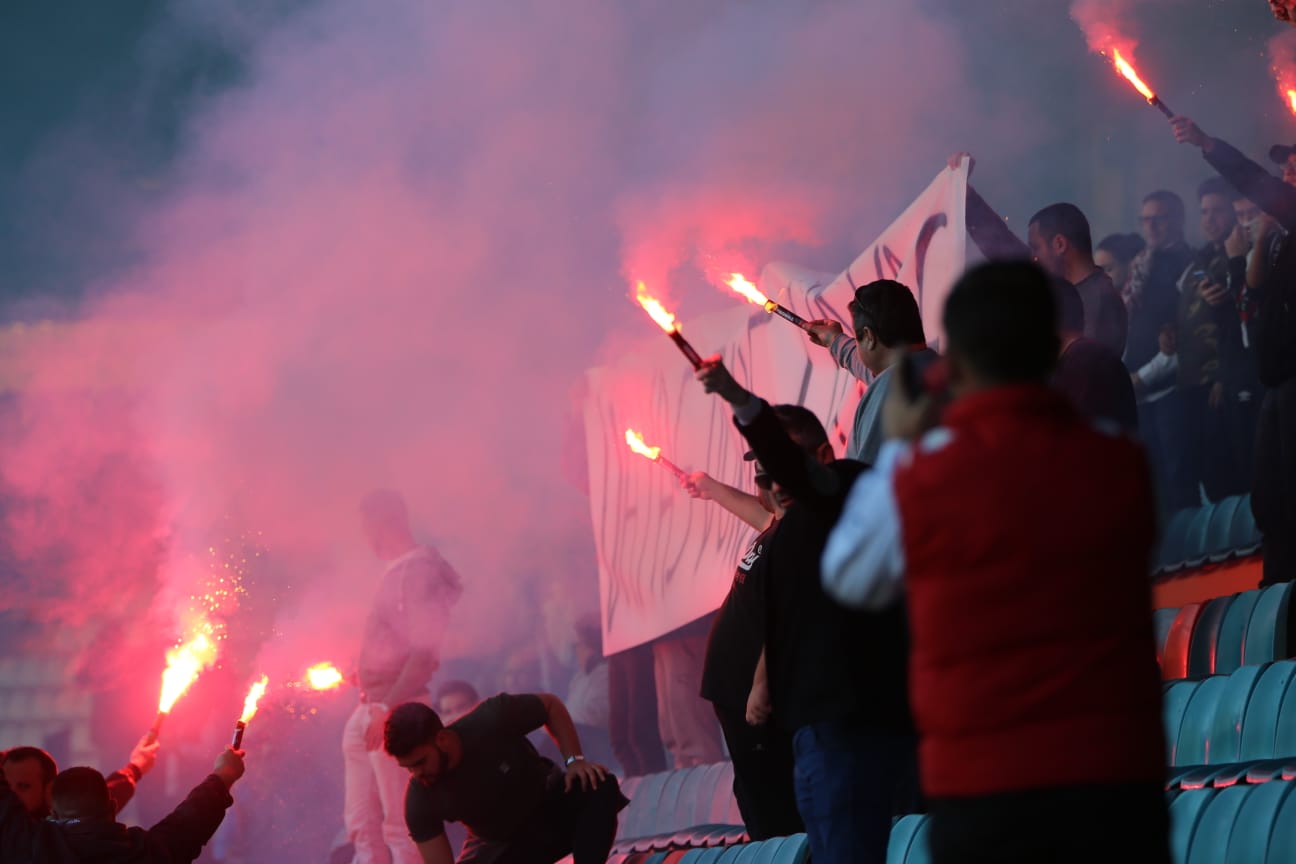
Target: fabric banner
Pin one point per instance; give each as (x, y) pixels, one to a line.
(666, 559)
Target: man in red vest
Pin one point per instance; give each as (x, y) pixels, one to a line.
(1020, 535)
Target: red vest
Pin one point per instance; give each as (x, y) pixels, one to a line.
(1027, 539)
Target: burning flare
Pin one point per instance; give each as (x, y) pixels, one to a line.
(636, 442)
(323, 676)
(745, 288)
(655, 309)
(1291, 100)
(255, 692)
(183, 665)
(1125, 69)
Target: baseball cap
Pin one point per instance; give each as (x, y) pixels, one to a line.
(1280, 153)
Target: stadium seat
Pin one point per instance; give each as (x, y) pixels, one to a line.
(1193, 742)
(1219, 533)
(1174, 540)
(1233, 630)
(1282, 840)
(1224, 728)
(1185, 813)
(1266, 635)
(1210, 840)
(1249, 841)
(1163, 620)
(1195, 551)
(903, 833)
(724, 806)
(1204, 640)
(1259, 726)
(1177, 643)
(638, 819)
(1244, 535)
(1173, 703)
(791, 850)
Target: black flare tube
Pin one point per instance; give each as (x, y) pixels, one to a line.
(1156, 103)
(686, 349)
(788, 315)
(239, 727)
(671, 467)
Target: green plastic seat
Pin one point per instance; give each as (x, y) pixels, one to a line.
(768, 851)
(1173, 541)
(1173, 703)
(920, 849)
(724, 806)
(1211, 839)
(1244, 534)
(1206, 635)
(1219, 533)
(1162, 621)
(1266, 637)
(1260, 725)
(1255, 823)
(638, 818)
(1185, 812)
(792, 850)
(902, 837)
(1282, 840)
(1194, 733)
(1224, 731)
(1175, 661)
(1232, 634)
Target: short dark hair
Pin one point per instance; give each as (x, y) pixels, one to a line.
(49, 768)
(1070, 308)
(410, 725)
(1123, 247)
(459, 686)
(81, 793)
(802, 425)
(1172, 202)
(889, 309)
(1067, 220)
(1001, 319)
(1218, 186)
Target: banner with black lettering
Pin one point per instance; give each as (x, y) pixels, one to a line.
(664, 558)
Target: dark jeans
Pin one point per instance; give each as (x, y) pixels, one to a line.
(1061, 825)
(632, 715)
(1273, 491)
(762, 765)
(850, 782)
(1171, 428)
(580, 823)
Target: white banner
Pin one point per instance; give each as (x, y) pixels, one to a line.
(665, 559)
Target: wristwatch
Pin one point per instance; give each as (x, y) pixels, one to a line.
(571, 760)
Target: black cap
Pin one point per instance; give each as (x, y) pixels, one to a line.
(1280, 153)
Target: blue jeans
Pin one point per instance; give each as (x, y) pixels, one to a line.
(849, 784)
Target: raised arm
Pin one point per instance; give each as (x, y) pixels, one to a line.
(806, 479)
(745, 506)
(1269, 193)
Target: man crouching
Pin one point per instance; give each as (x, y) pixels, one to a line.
(481, 770)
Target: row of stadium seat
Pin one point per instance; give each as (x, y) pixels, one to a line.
(1212, 533)
(1235, 825)
(780, 850)
(1225, 633)
(689, 807)
(1231, 729)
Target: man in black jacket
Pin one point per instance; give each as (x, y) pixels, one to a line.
(1273, 493)
(836, 677)
(30, 773)
(82, 827)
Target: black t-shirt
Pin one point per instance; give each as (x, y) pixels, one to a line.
(500, 782)
(738, 633)
(1097, 383)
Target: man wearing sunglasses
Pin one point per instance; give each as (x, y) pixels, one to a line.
(836, 677)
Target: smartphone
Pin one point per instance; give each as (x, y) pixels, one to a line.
(923, 373)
